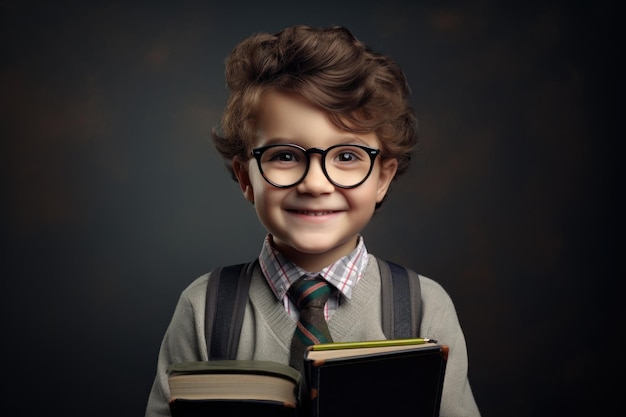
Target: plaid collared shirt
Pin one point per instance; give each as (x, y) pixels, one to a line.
(343, 274)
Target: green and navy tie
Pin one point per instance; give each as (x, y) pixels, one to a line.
(309, 295)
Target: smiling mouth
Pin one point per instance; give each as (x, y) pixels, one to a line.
(313, 213)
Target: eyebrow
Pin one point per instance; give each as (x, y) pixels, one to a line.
(351, 140)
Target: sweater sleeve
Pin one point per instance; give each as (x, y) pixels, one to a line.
(183, 341)
(440, 322)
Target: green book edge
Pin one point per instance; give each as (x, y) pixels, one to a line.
(372, 343)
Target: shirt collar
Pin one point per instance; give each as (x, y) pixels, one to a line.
(343, 274)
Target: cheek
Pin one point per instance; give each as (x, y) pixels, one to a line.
(363, 197)
(266, 197)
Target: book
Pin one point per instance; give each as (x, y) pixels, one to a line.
(386, 377)
(233, 388)
(383, 377)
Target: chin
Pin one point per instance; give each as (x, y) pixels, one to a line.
(321, 247)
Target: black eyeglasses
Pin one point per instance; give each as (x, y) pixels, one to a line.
(286, 165)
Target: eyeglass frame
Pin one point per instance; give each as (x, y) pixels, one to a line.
(257, 153)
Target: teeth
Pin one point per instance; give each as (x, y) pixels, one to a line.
(313, 213)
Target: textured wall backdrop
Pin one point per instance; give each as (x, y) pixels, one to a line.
(114, 200)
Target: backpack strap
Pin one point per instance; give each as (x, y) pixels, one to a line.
(227, 287)
(401, 300)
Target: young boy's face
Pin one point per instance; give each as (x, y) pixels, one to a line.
(313, 223)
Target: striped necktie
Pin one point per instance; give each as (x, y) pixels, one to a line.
(309, 295)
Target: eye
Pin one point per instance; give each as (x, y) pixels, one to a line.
(282, 154)
(346, 156)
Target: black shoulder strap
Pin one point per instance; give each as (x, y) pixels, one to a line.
(401, 300)
(227, 289)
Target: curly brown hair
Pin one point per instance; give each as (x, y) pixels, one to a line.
(360, 90)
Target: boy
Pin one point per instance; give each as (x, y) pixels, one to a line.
(316, 128)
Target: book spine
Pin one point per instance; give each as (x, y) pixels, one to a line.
(312, 372)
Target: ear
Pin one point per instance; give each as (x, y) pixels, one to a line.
(240, 168)
(387, 173)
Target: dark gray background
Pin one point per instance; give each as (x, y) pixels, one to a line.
(114, 199)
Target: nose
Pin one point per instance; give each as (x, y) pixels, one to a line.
(315, 182)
